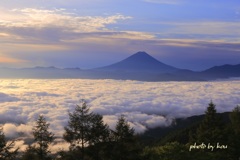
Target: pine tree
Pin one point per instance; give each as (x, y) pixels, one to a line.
(77, 132)
(6, 148)
(234, 139)
(209, 130)
(123, 131)
(99, 130)
(30, 153)
(99, 138)
(85, 129)
(125, 145)
(235, 119)
(42, 137)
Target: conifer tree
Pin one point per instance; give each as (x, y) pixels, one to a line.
(125, 146)
(30, 153)
(234, 139)
(42, 137)
(209, 130)
(85, 129)
(77, 132)
(99, 138)
(99, 130)
(6, 148)
(123, 131)
(235, 119)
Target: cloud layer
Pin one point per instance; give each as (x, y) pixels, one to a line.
(145, 104)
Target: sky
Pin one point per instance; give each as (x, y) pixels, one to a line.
(87, 34)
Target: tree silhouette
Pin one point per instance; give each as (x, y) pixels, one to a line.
(125, 145)
(42, 137)
(85, 129)
(235, 119)
(234, 140)
(6, 148)
(209, 130)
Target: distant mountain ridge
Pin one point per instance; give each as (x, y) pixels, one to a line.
(139, 66)
(227, 69)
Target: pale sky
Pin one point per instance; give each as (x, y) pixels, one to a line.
(190, 34)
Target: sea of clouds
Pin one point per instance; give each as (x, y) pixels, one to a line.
(145, 104)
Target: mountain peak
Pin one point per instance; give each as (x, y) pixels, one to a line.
(140, 61)
(142, 55)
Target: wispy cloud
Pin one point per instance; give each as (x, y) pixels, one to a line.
(31, 31)
(38, 26)
(201, 30)
(41, 36)
(220, 28)
(58, 18)
(4, 59)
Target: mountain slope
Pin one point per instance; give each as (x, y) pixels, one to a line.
(224, 71)
(140, 66)
(139, 62)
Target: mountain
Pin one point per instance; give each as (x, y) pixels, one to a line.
(179, 130)
(140, 66)
(139, 62)
(224, 71)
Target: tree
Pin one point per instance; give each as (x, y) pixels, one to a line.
(99, 130)
(99, 137)
(209, 130)
(124, 143)
(85, 129)
(42, 137)
(123, 131)
(234, 139)
(212, 131)
(6, 148)
(235, 119)
(77, 132)
(30, 153)
(173, 150)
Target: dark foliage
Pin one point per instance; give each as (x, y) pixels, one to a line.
(43, 138)
(91, 139)
(86, 130)
(124, 144)
(6, 148)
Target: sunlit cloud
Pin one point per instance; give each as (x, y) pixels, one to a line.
(134, 35)
(204, 30)
(58, 18)
(58, 25)
(4, 35)
(209, 44)
(146, 105)
(38, 26)
(26, 54)
(4, 59)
